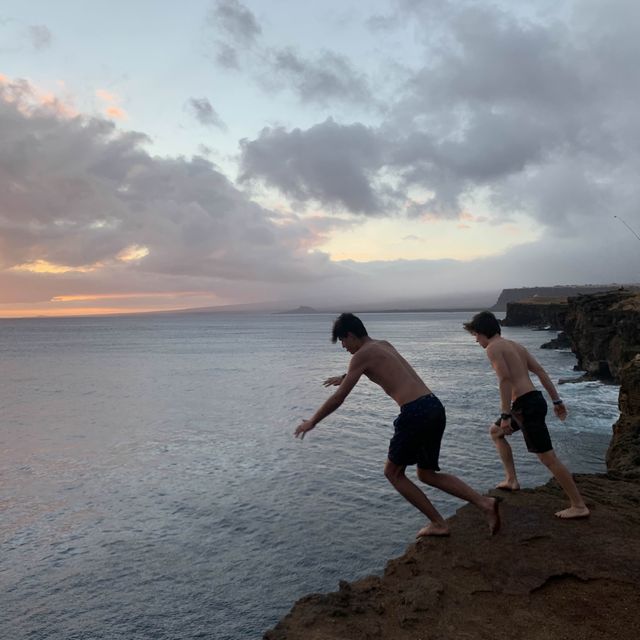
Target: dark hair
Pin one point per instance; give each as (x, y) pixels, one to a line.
(347, 323)
(485, 323)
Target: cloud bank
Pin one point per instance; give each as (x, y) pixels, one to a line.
(539, 115)
(516, 111)
(81, 197)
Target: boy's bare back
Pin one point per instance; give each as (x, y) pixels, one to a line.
(382, 364)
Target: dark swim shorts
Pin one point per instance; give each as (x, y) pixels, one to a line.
(418, 433)
(528, 413)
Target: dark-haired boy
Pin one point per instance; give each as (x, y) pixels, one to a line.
(523, 407)
(418, 428)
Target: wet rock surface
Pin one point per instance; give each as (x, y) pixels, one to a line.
(560, 342)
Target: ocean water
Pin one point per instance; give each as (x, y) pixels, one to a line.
(151, 487)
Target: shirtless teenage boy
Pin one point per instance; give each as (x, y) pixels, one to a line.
(418, 428)
(523, 407)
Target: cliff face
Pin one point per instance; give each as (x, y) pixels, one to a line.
(538, 312)
(560, 291)
(604, 331)
(623, 456)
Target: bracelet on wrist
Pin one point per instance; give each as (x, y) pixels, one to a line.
(505, 416)
(556, 402)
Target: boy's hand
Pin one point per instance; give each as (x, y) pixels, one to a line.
(506, 426)
(334, 381)
(302, 428)
(560, 410)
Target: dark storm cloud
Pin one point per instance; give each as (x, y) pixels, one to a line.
(539, 110)
(328, 78)
(536, 110)
(329, 163)
(236, 20)
(236, 30)
(204, 113)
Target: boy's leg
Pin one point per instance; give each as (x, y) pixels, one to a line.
(578, 508)
(510, 483)
(396, 475)
(454, 486)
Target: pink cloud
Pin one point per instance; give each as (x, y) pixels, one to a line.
(112, 110)
(115, 112)
(28, 98)
(107, 96)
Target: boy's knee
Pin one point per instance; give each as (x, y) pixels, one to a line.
(548, 458)
(426, 475)
(393, 472)
(496, 432)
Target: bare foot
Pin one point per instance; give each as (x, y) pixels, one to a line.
(434, 530)
(573, 513)
(509, 485)
(493, 515)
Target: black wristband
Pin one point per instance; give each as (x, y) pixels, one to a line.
(558, 402)
(505, 416)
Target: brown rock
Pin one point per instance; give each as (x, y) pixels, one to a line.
(623, 456)
(539, 578)
(537, 312)
(604, 330)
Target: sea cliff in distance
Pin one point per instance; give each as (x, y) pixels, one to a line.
(531, 294)
(557, 291)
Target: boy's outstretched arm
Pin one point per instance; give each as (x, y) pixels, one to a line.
(334, 401)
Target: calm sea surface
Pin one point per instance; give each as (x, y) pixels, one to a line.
(150, 485)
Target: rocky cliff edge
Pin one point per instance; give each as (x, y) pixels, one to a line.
(540, 578)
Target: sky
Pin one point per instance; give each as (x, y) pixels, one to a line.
(337, 154)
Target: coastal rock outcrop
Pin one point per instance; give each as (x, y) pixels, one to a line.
(561, 341)
(558, 291)
(623, 455)
(604, 331)
(539, 578)
(538, 312)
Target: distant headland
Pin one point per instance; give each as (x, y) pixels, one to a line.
(550, 296)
